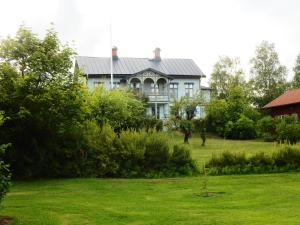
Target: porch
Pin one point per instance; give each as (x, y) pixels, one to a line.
(155, 90)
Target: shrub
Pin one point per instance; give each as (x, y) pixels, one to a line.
(242, 129)
(286, 159)
(287, 156)
(157, 152)
(131, 154)
(227, 159)
(130, 147)
(151, 122)
(266, 128)
(288, 130)
(182, 162)
(4, 174)
(159, 125)
(99, 153)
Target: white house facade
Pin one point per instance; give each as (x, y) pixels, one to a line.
(161, 80)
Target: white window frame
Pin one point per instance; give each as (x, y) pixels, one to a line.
(189, 89)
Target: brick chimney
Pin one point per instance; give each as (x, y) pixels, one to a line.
(114, 53)
(157, 54)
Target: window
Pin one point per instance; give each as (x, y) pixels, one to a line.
(116, 84)
(153, 88)
(135, 86)
(98, 83)
(189, 89)
(153, 111)
(174, 90)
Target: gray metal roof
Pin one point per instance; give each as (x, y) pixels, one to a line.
(127, 66)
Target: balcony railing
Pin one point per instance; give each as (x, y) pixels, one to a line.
(159, 96)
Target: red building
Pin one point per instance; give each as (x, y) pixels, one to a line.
(286, 104)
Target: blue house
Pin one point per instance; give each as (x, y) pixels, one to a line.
(160, 79)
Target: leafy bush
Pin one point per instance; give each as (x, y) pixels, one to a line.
(227, 159)
(242, 129)
(151, 122)
(4, 174)
(287, 156)
(286, 159)
(4, 168)
(266, 128)
(130, 148)
(288, 130)
(182, 162)
(157, 152)
(131, 154)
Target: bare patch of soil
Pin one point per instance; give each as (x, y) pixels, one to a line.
(209, 194)
(5, 220)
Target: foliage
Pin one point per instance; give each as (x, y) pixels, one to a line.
(58, 128)
(216, 115)
(226, 74)
(229, 117)
(268, 75)
(151, 122)
(237, 103)
(44, 102)
(157, 153)
(296, 69)
(182, 113)
(186, 127)
(286, 159)
(242, 129)
(288, 130)
(181, 161)
(118, 107)
(4, 168)
(200, 126)
(266, 128)
(131, 154)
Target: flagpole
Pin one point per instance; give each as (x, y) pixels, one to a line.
(111, 59)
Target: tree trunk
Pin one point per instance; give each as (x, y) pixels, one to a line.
(186, 138)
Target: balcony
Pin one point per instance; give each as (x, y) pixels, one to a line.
(155, 91)
(159, 96)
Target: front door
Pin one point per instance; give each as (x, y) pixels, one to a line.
(153, 111)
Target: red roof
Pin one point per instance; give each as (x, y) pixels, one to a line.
(290, 97)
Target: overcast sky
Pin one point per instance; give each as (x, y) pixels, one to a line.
(201, 30)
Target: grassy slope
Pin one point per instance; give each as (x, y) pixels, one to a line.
(252, 199)
(217, 146)
(248, 199)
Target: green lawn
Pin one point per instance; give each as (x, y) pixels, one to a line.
(218, 145)
(247, 199)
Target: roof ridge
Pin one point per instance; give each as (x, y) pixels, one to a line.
(106, 57)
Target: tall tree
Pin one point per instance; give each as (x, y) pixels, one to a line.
(43, 101)
(182, 112)
(268, 75)
(296, 79)
(226, 74)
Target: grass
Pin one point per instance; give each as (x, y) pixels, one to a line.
(217, 145)
(247, 199)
